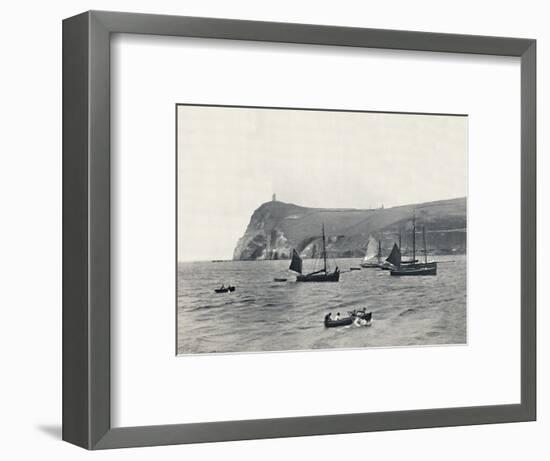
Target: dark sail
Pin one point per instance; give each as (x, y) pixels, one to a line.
(296, 263)
(395, 256)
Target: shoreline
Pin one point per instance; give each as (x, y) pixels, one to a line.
(220, 261)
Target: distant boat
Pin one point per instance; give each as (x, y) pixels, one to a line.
(354, 268)
(373, 255)
(278, 279)
(413, 266)
(323, 275)
(224, 289)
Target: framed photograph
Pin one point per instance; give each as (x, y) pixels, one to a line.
(371, 261)
(276, 230)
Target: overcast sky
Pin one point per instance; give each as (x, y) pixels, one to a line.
(231, 160)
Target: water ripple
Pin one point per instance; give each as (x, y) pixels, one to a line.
(262, 315)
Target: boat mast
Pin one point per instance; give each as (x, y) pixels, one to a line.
(414, 234)
(425, 249)
(379, 251)
(399, 239)
(324, 251)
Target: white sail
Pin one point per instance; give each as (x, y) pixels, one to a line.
(372, 249)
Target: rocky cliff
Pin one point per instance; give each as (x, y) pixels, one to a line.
(276, 228)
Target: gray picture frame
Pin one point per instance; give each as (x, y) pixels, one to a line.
(86, 229)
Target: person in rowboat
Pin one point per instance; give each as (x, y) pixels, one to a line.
(337, 316)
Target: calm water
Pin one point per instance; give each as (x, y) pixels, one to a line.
(263, 315)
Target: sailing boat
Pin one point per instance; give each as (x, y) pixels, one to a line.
(322, 275)
(373, 256)
(413, 266)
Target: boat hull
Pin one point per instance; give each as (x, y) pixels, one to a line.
(338, 323)
(334, 277)
(418, 269)
(418, 265)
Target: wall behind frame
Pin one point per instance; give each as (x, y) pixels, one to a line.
(30, 187)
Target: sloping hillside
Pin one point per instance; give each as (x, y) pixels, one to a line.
(276, 228)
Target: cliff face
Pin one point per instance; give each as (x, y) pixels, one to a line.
(276, 228)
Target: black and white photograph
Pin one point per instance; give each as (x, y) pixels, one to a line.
(302, 229)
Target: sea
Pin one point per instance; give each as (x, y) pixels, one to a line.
(264, 315)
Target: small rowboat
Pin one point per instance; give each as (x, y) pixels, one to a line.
(223, 289)
(277, 279)
(354, 268)
(360, 315)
